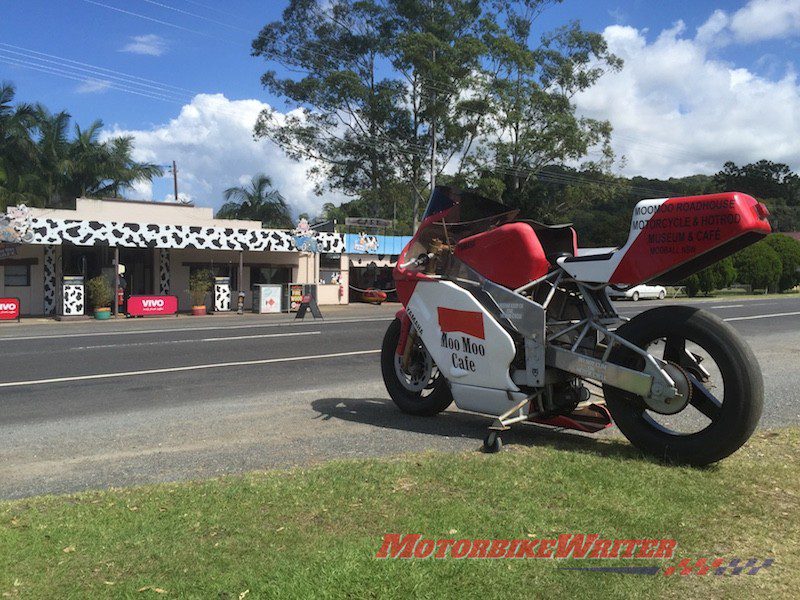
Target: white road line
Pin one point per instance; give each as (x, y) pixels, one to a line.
(179, 329)
(728, 306)
(788, 314)
(216, 339)
(241, 363)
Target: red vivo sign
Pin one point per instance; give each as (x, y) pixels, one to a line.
(152, 306)
(9, 309)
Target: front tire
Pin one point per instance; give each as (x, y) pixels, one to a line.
(733, 416)
(427, 396)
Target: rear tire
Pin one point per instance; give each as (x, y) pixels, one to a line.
(741, 404)
(427, 402)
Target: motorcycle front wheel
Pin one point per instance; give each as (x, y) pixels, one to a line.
(417, 388)
(722, 391)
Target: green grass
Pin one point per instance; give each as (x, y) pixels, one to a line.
(314, 532)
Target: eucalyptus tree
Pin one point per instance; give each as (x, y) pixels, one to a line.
(392, 94)
(532, 92)
(348, 117)
(437, 51)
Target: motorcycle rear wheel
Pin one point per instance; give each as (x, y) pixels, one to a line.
(733, 416)
(425, 397)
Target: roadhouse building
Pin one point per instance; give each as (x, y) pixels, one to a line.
(160, 245)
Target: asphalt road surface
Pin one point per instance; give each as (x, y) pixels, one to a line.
(93, 405)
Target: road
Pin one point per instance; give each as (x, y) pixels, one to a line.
(92, 405)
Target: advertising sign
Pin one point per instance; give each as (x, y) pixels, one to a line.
(7, 249)
(368, 222)
(268, 298)
(295, 296)
(9, 309)
(362, 243)
(15, 225)
(152, 306)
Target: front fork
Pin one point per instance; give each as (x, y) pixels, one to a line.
(407, 337)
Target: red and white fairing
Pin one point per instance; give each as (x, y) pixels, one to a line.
(467, 344)
(671, 238)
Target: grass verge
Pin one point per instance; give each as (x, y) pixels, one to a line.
(314, 532)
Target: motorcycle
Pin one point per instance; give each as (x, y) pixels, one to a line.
(510, 319)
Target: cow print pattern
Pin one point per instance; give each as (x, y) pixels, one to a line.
(73, 300)
(49, 280)
(222, 297)
(139, 235)
(163, 272)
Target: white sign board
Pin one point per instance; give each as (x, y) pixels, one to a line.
(269, 298)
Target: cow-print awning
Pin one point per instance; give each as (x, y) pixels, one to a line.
(149, 235)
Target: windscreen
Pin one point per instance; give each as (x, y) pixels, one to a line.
(471, 206)
(451, 216)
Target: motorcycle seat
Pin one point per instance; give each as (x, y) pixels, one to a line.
(592, 264)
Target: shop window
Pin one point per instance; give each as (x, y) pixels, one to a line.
(265, 275)
(330, 269)
(218, 271)
(17, 275)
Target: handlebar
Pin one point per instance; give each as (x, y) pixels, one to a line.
(421, 261)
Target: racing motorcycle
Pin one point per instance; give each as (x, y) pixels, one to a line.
(510, 319)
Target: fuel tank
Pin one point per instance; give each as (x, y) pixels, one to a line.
(510, 255)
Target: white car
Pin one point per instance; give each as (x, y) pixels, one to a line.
(639, 291)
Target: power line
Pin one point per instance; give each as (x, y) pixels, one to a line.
(83, 79)
(154, 20)
(68, 60)
(96, 74)
(195, 15)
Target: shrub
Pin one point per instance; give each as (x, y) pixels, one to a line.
(99, 291)
(789, 251)
(717, 276)
(758, 266)
(200, 283)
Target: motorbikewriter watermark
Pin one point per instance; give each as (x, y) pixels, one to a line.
(570, 546)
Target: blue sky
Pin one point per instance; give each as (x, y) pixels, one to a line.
(215, 55)
(180, 48)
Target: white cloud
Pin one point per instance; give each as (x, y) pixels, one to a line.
(766, 19)
(677, 110)
(756, 21)
(212, 142)
(150, 45)
(93, 86)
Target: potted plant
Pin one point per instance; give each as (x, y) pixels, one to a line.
(100, 296)
(199, 286)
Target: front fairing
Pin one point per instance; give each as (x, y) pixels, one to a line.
(451, 216)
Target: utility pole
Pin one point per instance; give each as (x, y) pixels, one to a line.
(175, 179)
(433, 132)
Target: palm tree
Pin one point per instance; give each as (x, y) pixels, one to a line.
(121, 170)
(17, 148)
(52, 167)
(256, 201)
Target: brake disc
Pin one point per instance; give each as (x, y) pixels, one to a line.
(419, 372)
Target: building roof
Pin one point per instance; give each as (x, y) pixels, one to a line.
(165, 213)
